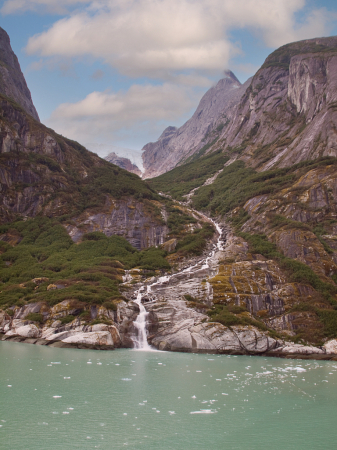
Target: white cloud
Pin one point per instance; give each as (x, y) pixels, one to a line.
(112, 116)
(40, 6)
(157, 37)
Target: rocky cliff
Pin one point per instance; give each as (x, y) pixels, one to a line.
(285, 114)
(44, 173)
(12, 81)
(124, 163)
(288, 113)
(213, 115)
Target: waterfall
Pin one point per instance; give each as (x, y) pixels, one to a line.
(140, 340)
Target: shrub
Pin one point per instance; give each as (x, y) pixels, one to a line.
(67, 319)
(34, 317)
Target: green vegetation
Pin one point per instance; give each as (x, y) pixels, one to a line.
(181, 180)
(34, 317)
(67, 319)
(300, 273)
(195, 243)
(232, 315)
(178, 219)
(236, 184)
(74, 176)
(179, 223)
(89, 272)
(189, 298)
(282, 56)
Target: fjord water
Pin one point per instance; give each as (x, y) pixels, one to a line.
(80, 399)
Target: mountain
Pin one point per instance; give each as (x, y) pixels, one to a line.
(212, 115)
(12, 82)
(288, 112)
(284, 115)
(83, 242)
(124, 163)
(271, 177)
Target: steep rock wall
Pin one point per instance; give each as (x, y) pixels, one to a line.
(12, 81)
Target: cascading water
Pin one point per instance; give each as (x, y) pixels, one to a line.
(140, 339)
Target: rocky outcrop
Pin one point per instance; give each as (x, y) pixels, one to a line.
(114, 331)
(210, 118)
(124, 163)
(12, 82)
(127, 218)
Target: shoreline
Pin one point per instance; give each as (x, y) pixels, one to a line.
(81, 346)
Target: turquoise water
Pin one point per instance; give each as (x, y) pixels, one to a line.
(80, 399)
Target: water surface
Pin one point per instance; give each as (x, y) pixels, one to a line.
(80, 399)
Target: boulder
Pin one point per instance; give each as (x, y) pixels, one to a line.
(27, 331)
(331, 347)
(93, 338)
(291, 348)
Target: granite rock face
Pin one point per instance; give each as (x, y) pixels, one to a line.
(284, 115)
(127, 218)
(124, 163)
(12, 81)
(175, 145)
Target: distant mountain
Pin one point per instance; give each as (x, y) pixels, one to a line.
(12, 81)
(124, 163)
(213, 114)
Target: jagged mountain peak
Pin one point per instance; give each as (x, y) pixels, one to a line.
(12, 81)
(176, 144)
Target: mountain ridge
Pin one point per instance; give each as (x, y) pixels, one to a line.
(12, 81)
(176, 145)
(285, 114)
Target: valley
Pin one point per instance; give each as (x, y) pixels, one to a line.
(228, 246)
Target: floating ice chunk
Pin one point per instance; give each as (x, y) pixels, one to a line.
(57, 396)
(125, 414)
(57, 362)
(126, 379)
(89, 362)
(224, 393)
(218, 379)
(67, 378)
(65, 412)
(205, 411)
(193, 396)
(9, 385)
(199, 371)
(171, 412)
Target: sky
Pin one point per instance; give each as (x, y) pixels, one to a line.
(113, 74)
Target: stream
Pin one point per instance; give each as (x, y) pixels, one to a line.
(140, 324)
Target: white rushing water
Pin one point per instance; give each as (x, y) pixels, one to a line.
(140, 338)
